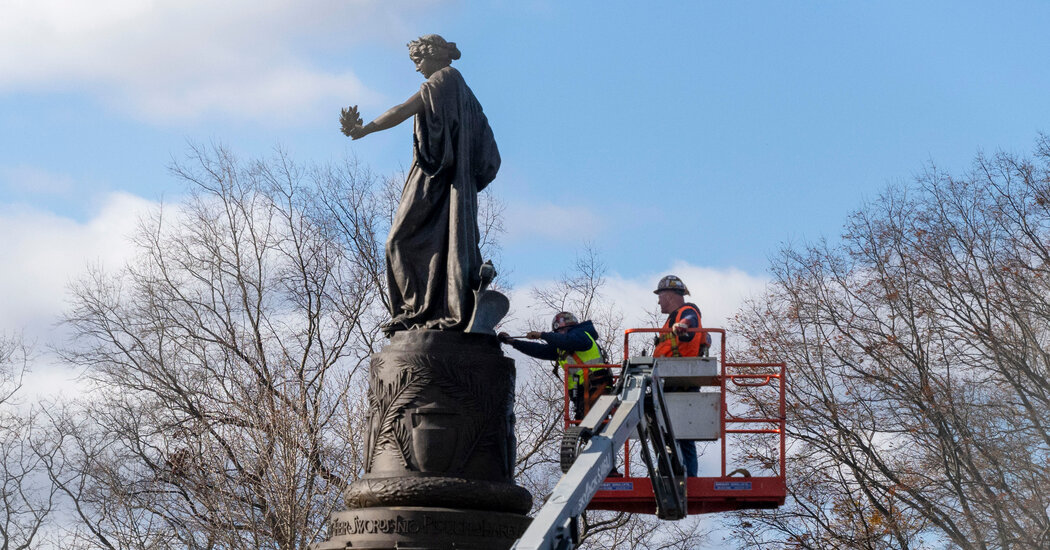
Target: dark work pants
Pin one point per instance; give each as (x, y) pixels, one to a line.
(689, 459)
(688, 447)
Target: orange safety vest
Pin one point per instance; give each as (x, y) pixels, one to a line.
(668, 345)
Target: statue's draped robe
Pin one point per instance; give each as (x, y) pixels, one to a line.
(432, 252)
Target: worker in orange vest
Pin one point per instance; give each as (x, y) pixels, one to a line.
(681, 316)
(679, 342)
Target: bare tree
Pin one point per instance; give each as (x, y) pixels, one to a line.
(579, 290)
(919, 389)
(26, 500)
(226, 361)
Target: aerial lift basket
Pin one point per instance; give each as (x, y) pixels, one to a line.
(696, 393)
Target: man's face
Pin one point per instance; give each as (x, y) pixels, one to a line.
(669, 300)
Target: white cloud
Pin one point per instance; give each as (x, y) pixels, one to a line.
(44, 252)
(719, 293)
(551, 222)
(282, 94)
(32, 180)
(168, 60)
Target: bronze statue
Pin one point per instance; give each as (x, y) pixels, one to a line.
(440, 449)
(433, 260)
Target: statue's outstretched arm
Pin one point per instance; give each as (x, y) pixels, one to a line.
(394, 116)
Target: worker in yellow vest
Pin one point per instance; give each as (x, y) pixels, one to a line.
(570, 343)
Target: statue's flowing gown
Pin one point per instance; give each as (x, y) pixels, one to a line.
(432, 252)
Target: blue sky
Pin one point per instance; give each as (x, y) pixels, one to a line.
(689, 136)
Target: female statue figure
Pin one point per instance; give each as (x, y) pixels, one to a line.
(432, 255)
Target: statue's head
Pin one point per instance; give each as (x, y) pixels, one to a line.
(430, 53)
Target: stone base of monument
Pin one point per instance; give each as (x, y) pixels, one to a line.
(439, 449)
(438, 492)
(419, 528)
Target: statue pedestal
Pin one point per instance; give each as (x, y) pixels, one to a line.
(440, 449)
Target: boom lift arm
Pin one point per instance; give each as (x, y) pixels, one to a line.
(637, 405)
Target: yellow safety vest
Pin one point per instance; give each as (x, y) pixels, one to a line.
(592, 356)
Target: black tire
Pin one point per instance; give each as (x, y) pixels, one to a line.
(570, 447)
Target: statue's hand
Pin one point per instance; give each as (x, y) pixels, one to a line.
(351, 122)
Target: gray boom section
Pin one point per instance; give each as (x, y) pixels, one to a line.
(553, 527)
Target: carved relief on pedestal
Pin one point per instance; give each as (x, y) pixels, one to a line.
(441, 425)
